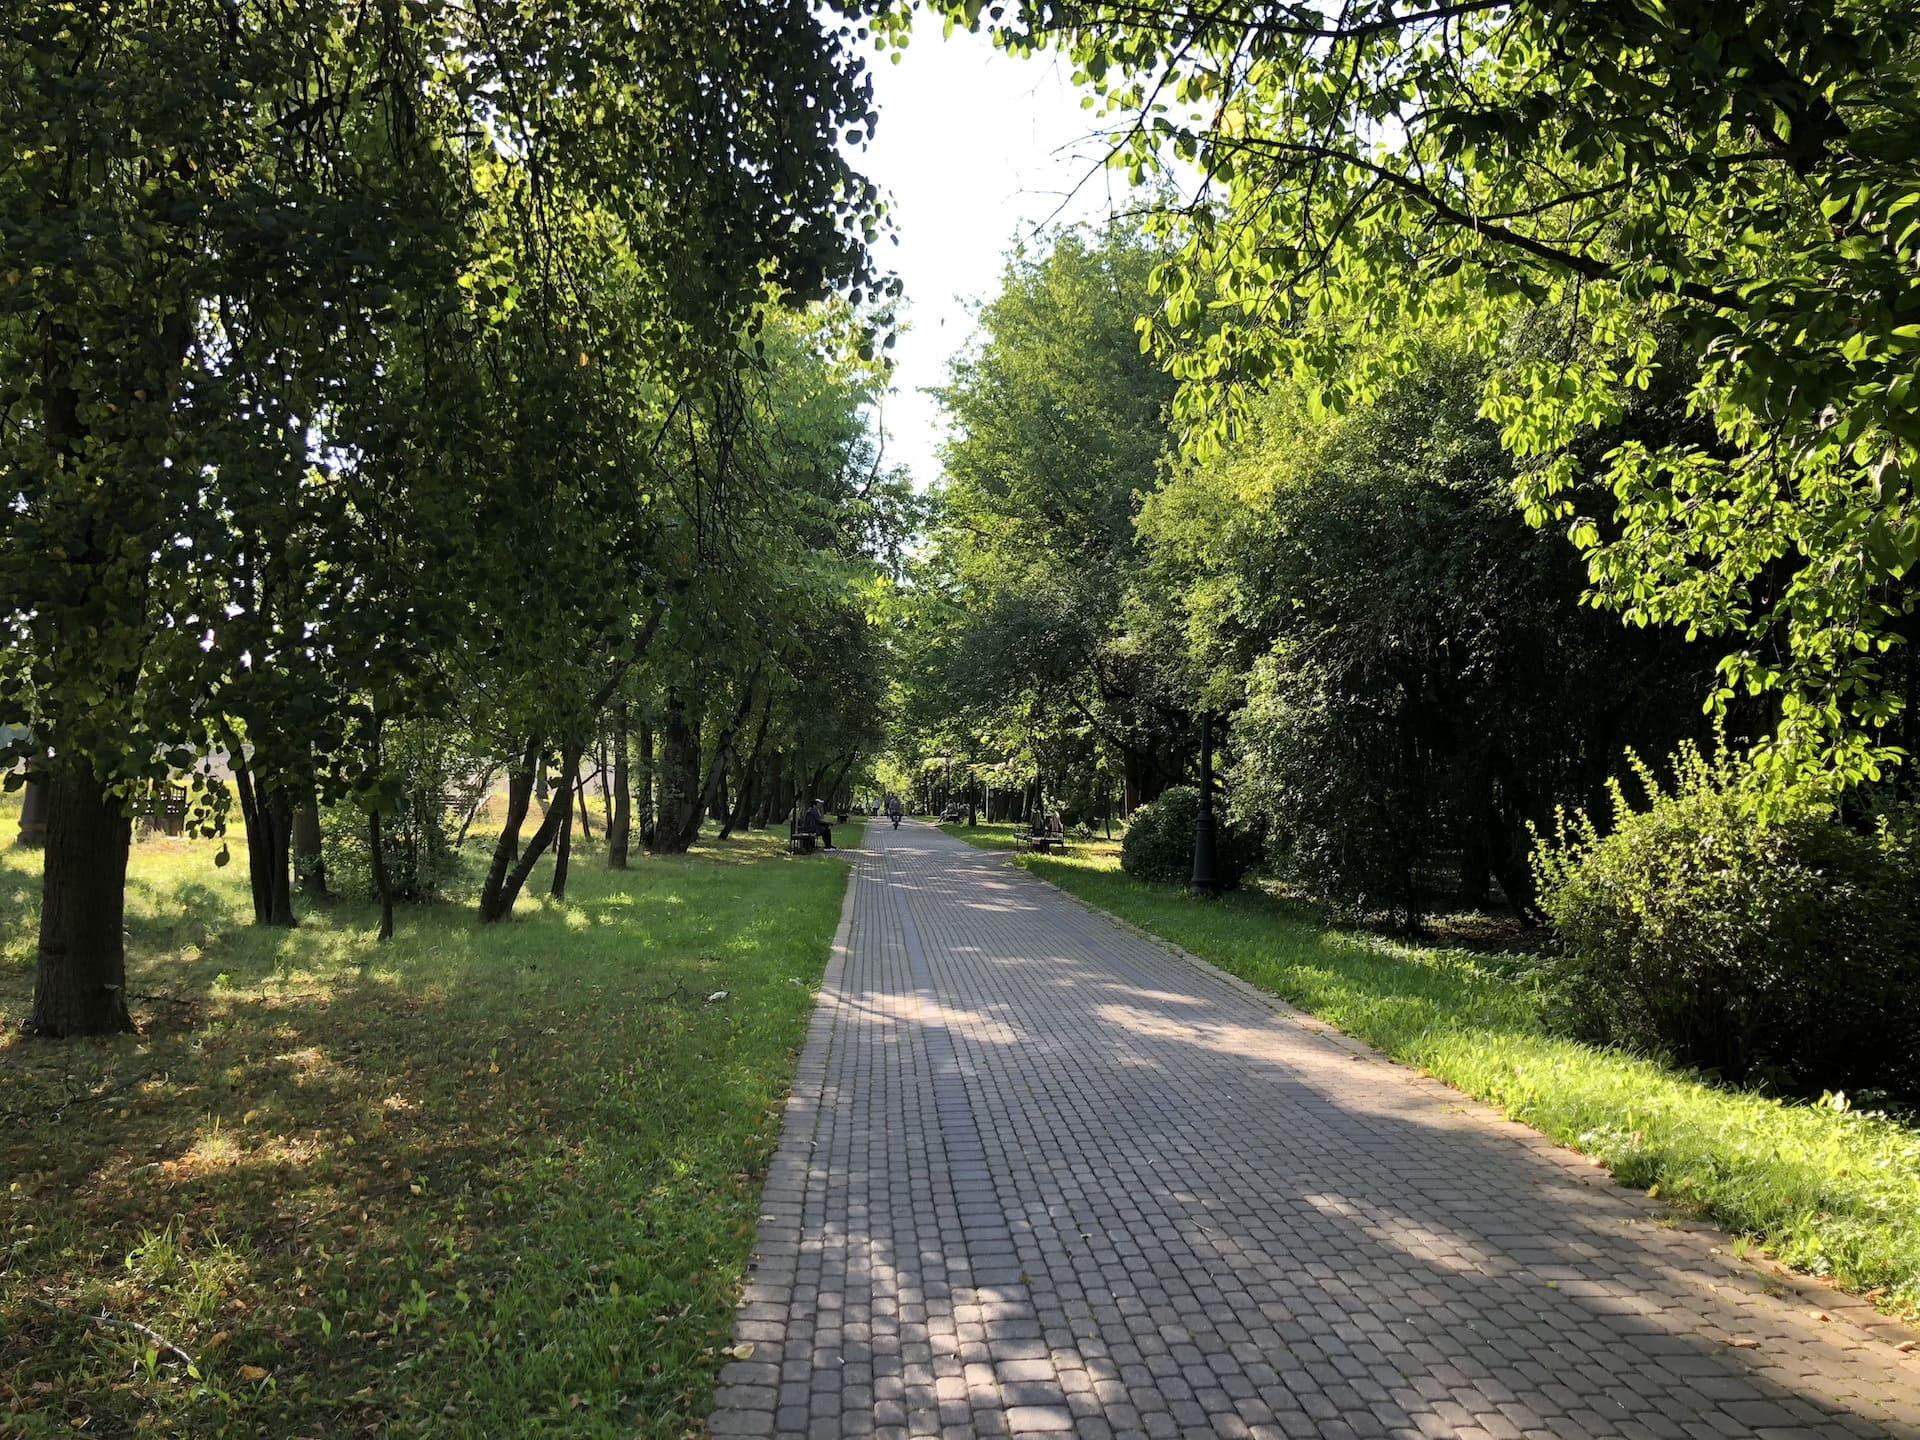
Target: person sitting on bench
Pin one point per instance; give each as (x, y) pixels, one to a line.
(815, 823)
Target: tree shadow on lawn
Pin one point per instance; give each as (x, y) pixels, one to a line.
(469, 1183)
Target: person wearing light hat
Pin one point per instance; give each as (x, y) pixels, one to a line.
(817, 822)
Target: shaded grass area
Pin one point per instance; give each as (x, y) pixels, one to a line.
(480, 1181)
(1832, 1192)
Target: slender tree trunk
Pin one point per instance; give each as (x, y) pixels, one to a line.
(377, 849)
(382, 886)
(742, 804)
(500, 906)
(606, 791)
(649, 813)
(520, 785)
(565, 794)
(277, 806)
(737, 815)
(832, 792)
(80, 980)
(769, 792)
(479, 802)
(620, 822)
(580, 800)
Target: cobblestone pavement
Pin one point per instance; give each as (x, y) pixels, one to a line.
(1040, 1175)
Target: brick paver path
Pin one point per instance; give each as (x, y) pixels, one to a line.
(1042, 1175)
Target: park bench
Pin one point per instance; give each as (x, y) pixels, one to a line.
(800, 840)
(953, 813)
(1045, 838)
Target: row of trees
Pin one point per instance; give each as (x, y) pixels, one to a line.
(1484, 329)
(368, 369)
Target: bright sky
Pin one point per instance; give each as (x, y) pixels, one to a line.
(976, 147)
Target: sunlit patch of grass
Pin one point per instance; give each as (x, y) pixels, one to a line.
(1004, 835)
(1832, 1192)
(482, 1181)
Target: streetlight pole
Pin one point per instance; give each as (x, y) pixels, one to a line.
(1206, 880)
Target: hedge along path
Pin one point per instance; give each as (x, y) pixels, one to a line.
(1043, 1174)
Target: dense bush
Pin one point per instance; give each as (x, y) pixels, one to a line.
(1159, 841)
(1784, 949)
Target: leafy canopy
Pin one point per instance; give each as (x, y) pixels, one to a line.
(1745, 176)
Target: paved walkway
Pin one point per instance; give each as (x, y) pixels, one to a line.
(1041, 1175)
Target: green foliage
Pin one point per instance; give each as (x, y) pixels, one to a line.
(1418, 675)
(1829, 1189)
(1031, 640)
(1159, 841)
(347, 353)
(424, 764)
(1784, 947)
(1746, 177)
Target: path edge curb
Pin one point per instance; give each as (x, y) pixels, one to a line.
(737, 1408)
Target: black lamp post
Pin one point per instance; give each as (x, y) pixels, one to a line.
(1206, 882)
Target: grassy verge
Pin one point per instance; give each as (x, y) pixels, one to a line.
(1831, 1192)
(999, 835)
(480, 1181)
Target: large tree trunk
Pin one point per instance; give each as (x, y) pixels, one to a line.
(80, 982)
(620, 823)
(33, 809)
(679, 818)
(309, 865)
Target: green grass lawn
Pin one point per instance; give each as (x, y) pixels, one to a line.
(480, 1181)
(1000, 835)
(987, 835)
(1833, 1193)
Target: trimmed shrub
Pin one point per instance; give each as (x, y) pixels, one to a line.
(1783, 949)
(1158, 844)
